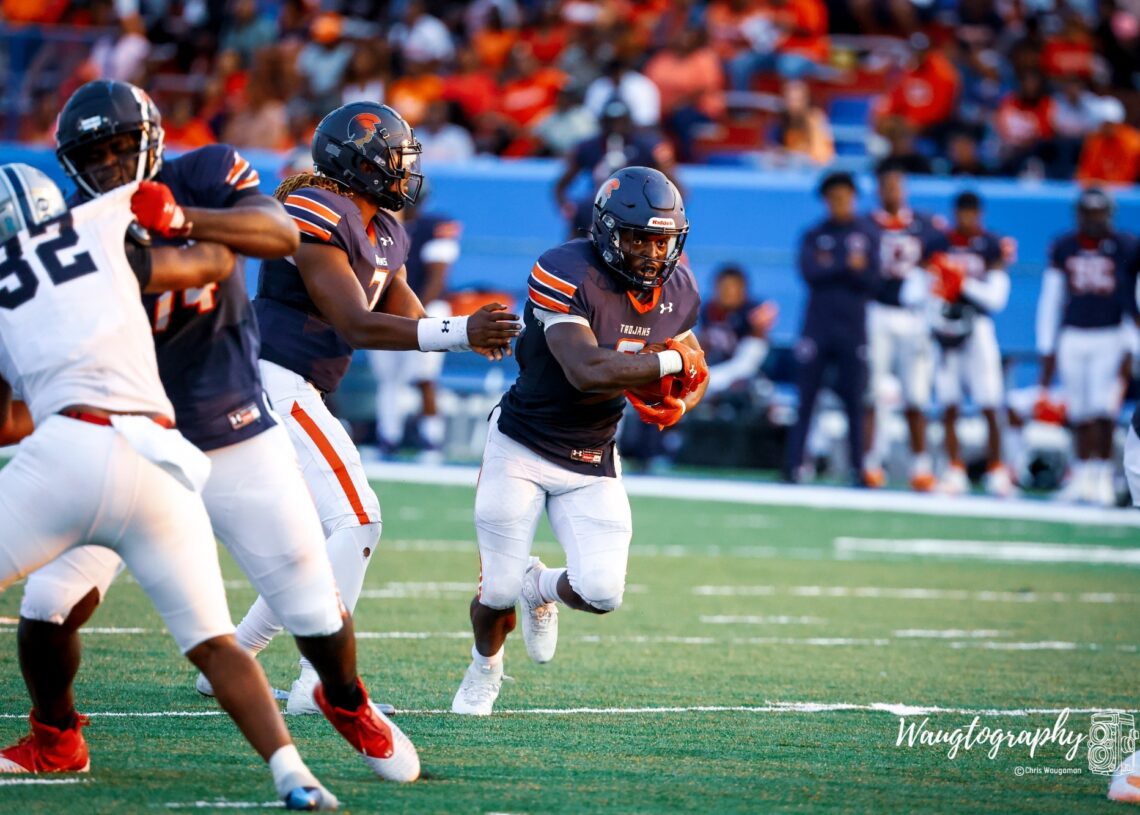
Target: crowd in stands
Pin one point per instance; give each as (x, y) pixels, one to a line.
(1039, 88)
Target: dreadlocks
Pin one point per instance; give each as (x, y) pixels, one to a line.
(302, 180)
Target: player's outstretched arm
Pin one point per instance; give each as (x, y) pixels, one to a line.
(336, 292)
(399, 299)
(590, 368)
(256, 226)
(188, 267)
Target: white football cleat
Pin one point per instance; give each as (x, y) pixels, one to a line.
(301, 694)
(203, 686)
(539, 619)
(954, 481)
(1125, 784)
(385, 749)
(480, 688)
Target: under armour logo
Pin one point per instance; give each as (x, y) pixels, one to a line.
(386, 241)
(666, 308)
(446, 327)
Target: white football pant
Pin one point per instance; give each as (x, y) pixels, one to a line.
(898, 341)
(589, 514)
(1088, 363)
(262, 513)
(74, 483)
(1132, 464)
(975, 363)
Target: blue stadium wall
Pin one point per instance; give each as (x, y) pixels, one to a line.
(751, 217)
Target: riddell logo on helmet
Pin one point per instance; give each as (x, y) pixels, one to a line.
(362, 129)
(666, 222)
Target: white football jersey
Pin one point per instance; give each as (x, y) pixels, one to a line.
(73, 330)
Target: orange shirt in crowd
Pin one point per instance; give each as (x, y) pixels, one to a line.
(546, 44)
(526, 99)
(925, 95)
(42, 12)
(806, 20)
(1111, 155)
(1020, 123)
(494, 46)
(190, 136)
(1067, 57)
(411, 95)
(695, 79)
(723, 23)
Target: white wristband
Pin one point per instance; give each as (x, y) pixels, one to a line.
(670, 362)
(442, 334)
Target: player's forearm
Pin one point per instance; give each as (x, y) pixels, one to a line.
(1048, 368)
(693, 399)
(16, 423)
(260, 231)
(602, 370)
(377, 331)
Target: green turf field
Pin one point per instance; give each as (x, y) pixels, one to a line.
(728, 606)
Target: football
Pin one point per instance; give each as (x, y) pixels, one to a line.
(653, 393)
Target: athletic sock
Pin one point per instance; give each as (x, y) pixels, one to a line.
(548, 584)
(258, 627)
(289, 770)
(433, 430)
(490, 662)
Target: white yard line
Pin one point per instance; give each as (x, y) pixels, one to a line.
(1007, 551)
(224, 804)
(754, 619)
(893, 593)
(751, 492)
(20, 782)
(947, 633)
(893, 708)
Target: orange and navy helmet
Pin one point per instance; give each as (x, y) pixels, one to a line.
(372, 150)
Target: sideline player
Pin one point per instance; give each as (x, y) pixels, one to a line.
(433, 248)
(108, 134)
(75, 344)
(972, 284)
(345, 288)
(838, 260)
(898, 338)
(594, 304)
(1082, 335)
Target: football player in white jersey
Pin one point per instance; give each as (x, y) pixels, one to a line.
(104, 465)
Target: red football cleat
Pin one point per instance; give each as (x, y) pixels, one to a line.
(48, 750)
(385, 748)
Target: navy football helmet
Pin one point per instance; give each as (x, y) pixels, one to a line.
(372, 150)
(1094, 213)
(96, 113)
(640, 200)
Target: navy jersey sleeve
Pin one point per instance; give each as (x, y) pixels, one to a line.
(692, 297)
(556, 287)
(993, 252)
(1055, 259)
(219, 176)
(320, 217)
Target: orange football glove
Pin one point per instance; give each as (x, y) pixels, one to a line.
(664, 415)
(693, 371)
(1047, 411)
(949, 277)
(156, 210)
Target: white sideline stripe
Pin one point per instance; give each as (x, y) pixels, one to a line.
(1014, 551)
(947, 633)
(95, 630)
(891, 593)
(223, 804)
(14, 782)
(749, 492)
(754, 619)
(893, 708)
(1046, 645)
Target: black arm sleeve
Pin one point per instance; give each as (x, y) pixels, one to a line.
(137, 248)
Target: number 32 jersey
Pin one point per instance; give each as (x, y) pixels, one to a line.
(72, 327)
(542, 410)
(1097, 278)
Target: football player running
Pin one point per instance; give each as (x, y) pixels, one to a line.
(970, 284)
(103, 468)
(594, 304)
(898, 338)
(345, 288)
(1083, 333)
(110, 134)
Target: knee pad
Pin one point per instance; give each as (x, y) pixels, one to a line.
(46, 601)
(500, 592)
(350, 551)
(601, 591)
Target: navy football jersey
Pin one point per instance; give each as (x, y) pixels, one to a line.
(542, 410)
(294, 334)
(207, 338)
(906, 240)
(977, 255)
(722, 330)
(1097, 278)
(432, 238)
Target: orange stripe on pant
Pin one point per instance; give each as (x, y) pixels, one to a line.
(330, 455)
